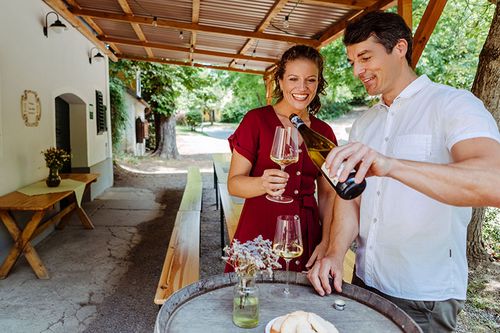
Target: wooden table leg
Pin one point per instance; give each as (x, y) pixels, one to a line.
(22, 245)
(87, 224)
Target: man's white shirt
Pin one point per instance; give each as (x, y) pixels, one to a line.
(411, 246)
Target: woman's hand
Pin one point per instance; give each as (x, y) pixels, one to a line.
(274, 181)
(318, 254)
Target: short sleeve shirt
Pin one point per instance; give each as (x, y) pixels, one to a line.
(411, 246)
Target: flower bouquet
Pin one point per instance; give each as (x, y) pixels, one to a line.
(54, 160)
(55, 157)
(247, 259)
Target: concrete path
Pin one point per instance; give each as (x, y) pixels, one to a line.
(103, 280)
(84, 266)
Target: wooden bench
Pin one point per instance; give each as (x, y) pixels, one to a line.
(182, 262)
(230, 206)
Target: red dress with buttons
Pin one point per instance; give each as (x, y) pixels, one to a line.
(253, 139)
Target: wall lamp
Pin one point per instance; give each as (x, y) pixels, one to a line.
(57, 26)
(97, 57)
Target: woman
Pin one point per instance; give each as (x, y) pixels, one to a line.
(299, 81)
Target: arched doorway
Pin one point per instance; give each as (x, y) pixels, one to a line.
(63, 136)
(71, 130)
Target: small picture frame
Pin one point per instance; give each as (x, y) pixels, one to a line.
(31, 109)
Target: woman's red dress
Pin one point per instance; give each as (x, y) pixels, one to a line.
(253, 139)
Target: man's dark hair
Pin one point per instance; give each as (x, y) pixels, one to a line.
(301, 52)
(387, 28)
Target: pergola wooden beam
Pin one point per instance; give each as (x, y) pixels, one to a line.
(266, 21)
(137, 28)
(347, 4)
(426, 27)
(181, 63)
(190, 26)
(405, 10)
(168, 47)
(337, 29)
(60, 7)
(92, 24)
(195, 18)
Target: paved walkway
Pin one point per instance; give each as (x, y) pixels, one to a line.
(103, 280)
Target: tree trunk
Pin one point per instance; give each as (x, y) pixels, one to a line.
(166, 143)
(486, 87)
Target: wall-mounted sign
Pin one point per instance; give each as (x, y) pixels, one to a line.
(31, 110)
(91, 111)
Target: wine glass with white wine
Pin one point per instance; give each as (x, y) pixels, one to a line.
(285, 151)
(288, 242)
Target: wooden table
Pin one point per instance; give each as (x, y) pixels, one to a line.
(230, 206)
(39, 204)
(206, 306)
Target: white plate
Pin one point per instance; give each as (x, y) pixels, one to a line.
(269, 324)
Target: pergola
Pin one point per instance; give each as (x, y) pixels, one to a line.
(235, 35)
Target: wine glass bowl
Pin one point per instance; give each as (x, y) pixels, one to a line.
(288, 242)
(284, 151)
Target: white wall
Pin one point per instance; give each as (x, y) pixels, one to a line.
(135, 109)
(52, 67)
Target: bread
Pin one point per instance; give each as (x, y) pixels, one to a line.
(302, 322)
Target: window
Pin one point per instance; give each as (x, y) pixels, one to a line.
(100, 113)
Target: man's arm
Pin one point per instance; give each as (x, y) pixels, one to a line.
(472, 179)
(343, 232)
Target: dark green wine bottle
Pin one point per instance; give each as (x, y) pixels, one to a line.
(318, 148)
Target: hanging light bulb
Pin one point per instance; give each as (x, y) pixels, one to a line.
(181, 35)
(155, 21)
(286, 22)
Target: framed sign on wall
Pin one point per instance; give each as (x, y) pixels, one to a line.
(31, 109)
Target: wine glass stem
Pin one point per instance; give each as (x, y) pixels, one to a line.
(287, 286)
(282, 167)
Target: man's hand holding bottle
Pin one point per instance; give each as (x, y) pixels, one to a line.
(360, 157)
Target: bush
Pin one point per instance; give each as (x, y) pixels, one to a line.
(194, 119)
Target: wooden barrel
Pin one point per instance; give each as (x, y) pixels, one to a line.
(206, 306)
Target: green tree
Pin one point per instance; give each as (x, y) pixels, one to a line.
(161, 86)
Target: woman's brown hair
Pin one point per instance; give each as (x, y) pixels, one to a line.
(301, 52)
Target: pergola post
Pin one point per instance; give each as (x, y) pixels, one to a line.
(405, 10)
(269, 82)
(426, 27)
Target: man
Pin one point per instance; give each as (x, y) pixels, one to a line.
(429, 152)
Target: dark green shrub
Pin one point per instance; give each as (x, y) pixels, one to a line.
(193, 119)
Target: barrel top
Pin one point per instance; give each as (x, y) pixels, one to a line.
(207, 306)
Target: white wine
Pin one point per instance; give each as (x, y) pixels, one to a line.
(289, 251)
(318, 148)
(285, 161)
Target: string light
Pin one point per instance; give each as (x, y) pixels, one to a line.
(286, 22)
(155, 22)
(181, 35)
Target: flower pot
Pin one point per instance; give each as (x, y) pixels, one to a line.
(246, 302)
(53, 180)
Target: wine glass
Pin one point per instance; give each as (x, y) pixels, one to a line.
(285, 151)
(288, 242)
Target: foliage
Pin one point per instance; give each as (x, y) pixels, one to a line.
(193, 119)
(245, 92)
(119, 114)
(491, 232)
(343, 88)
(452, 54)
(55, 157)
(250, 257)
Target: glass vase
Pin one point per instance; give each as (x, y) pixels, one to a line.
(246, 302)
(53, 180)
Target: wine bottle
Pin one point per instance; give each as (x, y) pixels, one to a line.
(318, 148)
